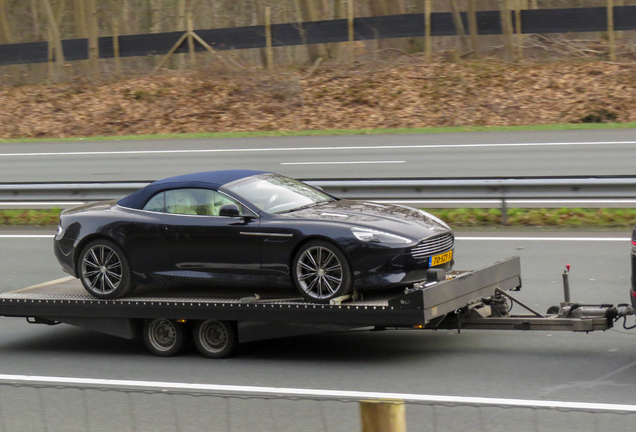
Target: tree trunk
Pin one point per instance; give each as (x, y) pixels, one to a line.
(181, 26)
(308, 12)
(125, 12)
(59, 12)
(390, 7)
(55, 34)
(5, 30)
(155, 15)
(36, 20)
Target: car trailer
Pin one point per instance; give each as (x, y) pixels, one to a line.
(169, 317)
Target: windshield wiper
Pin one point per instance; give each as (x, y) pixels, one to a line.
(306, 206)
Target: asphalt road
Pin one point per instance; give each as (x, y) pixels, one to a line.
(507, 154)
(599, 367)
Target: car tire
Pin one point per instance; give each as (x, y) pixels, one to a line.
(215, 339)
(321, 272)
(164, 337)
(104, 270)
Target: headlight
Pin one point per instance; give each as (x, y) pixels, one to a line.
(435, 218)
(60, 232)
(375, 236)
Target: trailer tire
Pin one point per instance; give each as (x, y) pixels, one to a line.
(163, 337)
(215, 339)
(104, 270)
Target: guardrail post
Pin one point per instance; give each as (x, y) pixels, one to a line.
(383, 415)
(504, 212)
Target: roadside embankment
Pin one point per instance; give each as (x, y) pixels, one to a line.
(407, 93)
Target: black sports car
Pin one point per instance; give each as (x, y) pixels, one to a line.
(249, 227)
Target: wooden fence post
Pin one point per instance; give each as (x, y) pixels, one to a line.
(268, 38)
(350, 18)
(459, 27)
(610, 30)
(193, 58)
(428, 43)
(383, 416)
(116, 46)
(472, 27)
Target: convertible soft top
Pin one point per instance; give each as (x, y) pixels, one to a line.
(208, 179)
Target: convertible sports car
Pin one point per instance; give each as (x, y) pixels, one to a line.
(248, 227)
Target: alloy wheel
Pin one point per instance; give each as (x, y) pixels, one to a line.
(319, 272)
(102, 269)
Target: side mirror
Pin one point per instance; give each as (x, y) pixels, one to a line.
(229, 210)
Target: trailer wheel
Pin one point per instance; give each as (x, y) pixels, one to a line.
(104, 270)
(163, 337)
(215, 339)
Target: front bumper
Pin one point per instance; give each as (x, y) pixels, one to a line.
(392, 268)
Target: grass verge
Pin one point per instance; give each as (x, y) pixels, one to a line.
(457, 218)
(379, 131)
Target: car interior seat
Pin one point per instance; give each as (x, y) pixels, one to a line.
(180, 202)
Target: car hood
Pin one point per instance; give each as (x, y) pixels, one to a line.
(388, 217)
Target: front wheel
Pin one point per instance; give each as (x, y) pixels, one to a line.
(321, 272)
(104, 270)
(215, 339)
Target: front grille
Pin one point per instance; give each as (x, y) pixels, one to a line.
(433, 245)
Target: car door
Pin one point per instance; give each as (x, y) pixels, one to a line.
(201, 244)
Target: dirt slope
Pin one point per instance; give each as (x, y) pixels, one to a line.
(410, 93)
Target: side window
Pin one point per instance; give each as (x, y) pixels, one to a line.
(217, 200)
(201, 202)
(181, 201)
(156, 203)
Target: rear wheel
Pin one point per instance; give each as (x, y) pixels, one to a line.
(104, 270)
(215, 339)
(321, 272)
(163, 337)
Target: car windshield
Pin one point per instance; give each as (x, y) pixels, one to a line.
(274, 193)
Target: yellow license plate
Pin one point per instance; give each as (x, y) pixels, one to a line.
(440, 259)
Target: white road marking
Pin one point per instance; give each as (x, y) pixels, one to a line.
(341, 163)
(597, 239)
(27, 235)
(37, 203)
(312, 393)
(288, 149)
(592, 239)
(517, 201)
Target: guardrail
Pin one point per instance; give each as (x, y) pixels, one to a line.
(564, 188)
